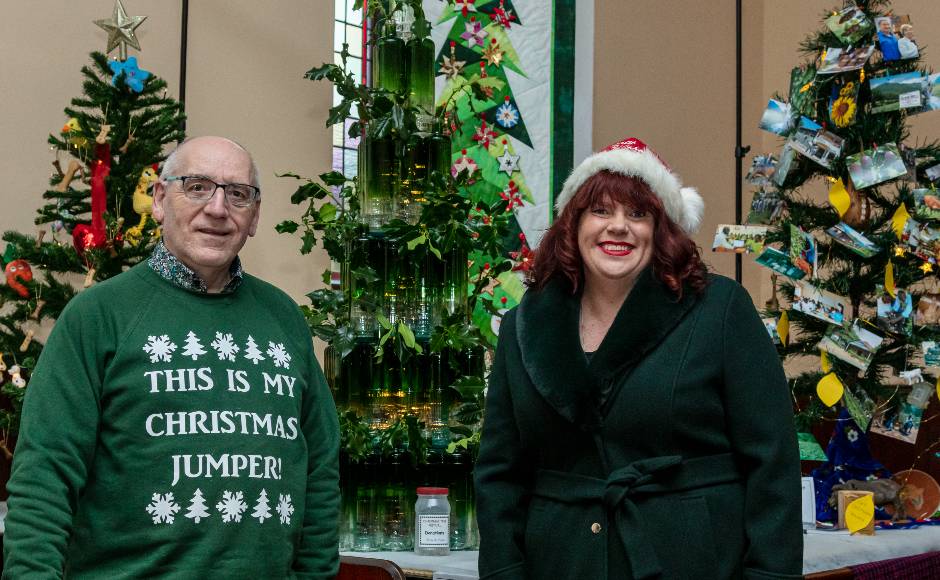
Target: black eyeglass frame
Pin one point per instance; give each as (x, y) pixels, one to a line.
(255, 197)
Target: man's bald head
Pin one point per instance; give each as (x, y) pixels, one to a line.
(176, 157)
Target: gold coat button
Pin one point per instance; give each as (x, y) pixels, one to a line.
(596, 528)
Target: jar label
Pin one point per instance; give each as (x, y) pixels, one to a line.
(433, 531)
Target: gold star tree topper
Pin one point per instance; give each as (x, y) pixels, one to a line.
(120, 29)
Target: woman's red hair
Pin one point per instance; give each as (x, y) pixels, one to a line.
(675, 261)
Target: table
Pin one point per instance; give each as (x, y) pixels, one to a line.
(823, 551)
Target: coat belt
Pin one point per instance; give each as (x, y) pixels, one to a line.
(650, 476)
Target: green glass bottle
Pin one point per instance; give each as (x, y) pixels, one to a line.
(382, 178)
(438, 431)
(390, 63)
(415, 169)
(421, 76)
(455, 282)
(439, 151)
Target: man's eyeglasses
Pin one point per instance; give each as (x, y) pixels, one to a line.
(201, 189)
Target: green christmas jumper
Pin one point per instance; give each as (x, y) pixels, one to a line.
(176, 434)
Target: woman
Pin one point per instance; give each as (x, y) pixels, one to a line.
(638, 421)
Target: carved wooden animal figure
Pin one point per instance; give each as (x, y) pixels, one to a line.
(886, 491)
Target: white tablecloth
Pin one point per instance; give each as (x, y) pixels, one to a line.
(822, 550)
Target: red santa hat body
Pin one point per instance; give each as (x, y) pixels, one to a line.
(633, 158)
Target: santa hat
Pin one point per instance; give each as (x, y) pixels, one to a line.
(633, 158)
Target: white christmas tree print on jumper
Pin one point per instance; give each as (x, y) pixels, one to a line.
(160, 348)
(284, 508)
(232, 506)
(197, 507)
(162, 508)
(279, 354)
(192, 347)
(252, 352)
(262, 508)
(225, 346)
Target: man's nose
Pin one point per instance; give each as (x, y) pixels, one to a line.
(217, 204)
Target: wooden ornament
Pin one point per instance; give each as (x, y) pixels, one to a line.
(58, 168)
(859, 213)
(123, 148)
(89, 278)
(39, 236)
(102, 137)
(36, 311)
(74, 167)
(28, 339)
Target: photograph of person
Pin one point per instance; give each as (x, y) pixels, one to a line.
(887, 41)
(853, 344)
(849, 24)
(617, 288)
(762, 169)
(739, 239)
(839, 60)
(766, 207)
(895, 36)
(827, 306)
(907, 45)
(894, 313)
(928, 310)
(922, 240)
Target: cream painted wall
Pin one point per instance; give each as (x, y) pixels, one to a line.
(245, 80)
(663, 71)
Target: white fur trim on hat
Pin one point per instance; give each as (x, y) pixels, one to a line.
(683, 204)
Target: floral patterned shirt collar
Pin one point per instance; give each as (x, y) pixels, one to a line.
(169, 267)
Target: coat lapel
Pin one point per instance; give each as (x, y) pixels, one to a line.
(547, 332)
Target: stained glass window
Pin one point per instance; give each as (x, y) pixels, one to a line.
(347, 29)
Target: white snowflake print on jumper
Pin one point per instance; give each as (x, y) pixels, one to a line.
(252, 352)
(284, 508)
(192, 347)
(225, 346)
(162, 508)
(262, 508)
(232, 506)
(160, 348)
(278, 353)
(197, 507)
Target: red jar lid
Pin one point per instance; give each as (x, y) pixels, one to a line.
(432, 491)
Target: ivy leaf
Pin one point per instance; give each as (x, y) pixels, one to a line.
(434, 250)
(286, 227)
(414, 243)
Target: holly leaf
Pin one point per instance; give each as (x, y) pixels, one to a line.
(309, 242)
(307, 191)
(327, 212)
(321, 72)
(333, 178)
(414, 243)
(469, 387)
(286, 227)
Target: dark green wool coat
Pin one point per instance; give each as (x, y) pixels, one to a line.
(690, 469)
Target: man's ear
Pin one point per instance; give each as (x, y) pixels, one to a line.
(253, 228)
(159, 198)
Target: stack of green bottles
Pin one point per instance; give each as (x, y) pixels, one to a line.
(393, 181)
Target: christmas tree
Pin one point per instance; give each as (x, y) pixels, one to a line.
(851, 270)
(262, 508)
(97, 206)
(197, 509)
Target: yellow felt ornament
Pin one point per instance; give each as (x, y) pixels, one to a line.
(783, 328)
(889, 278)
(899, 220)
(824, 361)
(859, 513)
(830, 389)
(73, 131)
(839, 197)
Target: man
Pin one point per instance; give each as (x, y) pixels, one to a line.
(177, 424)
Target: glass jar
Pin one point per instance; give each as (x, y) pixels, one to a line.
(432, 522)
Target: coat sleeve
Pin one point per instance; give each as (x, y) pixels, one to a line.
(760, 426)
(317, 554)
(55, 448)
(503, 473)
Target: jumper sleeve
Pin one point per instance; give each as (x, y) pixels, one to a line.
(759, 420)
(55, 447)
(318, 551)
(501, 473)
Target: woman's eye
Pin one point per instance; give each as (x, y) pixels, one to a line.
(599, 211)
(638, 214)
